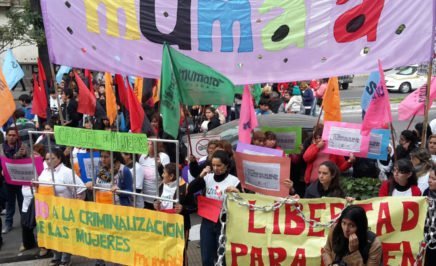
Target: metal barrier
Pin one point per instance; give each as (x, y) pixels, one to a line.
(93, 172)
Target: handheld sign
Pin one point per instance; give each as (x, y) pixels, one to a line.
(101, 140)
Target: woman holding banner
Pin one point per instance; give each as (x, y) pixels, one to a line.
(56, 171)
(314, 157)
(350, 242)
(214, 181)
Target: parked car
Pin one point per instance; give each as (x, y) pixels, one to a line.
(405, 79)
(344, 81)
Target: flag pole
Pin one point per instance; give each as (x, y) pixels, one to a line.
(61, 116)
(426, 105)
(188, 134)
(411, 121)
(393, 141)
(430, 72)
(317, 122)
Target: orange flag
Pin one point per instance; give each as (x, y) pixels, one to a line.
(137, 88)
(332, 102)
(156, 92)
(111, 102)
(7, 103)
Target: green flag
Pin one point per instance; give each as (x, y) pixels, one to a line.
(169, 98)
(256, 91)
(198, 83)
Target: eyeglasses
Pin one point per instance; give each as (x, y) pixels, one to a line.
(401, 172)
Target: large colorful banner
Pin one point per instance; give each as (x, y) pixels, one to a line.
(118, 234)
(282, 237)
(101, 140)
(254, 41)
(263, 174)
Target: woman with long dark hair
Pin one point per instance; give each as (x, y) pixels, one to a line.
(408, 143)
(404, 183)
(215, 181)
(350, 242)
(328, 183)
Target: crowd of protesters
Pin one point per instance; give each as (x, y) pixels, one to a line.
(408, 170)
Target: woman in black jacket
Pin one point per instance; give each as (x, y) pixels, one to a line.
(328, 184)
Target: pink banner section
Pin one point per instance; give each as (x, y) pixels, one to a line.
(20, 171)
(264, 174)
(413, 104)
(344, 138)
(246, 40)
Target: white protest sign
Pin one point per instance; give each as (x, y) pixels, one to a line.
(199, 145)
(262, 175)
(20, 172)
(345, 139)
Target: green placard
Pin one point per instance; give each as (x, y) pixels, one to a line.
(101, 140)
(288, 138)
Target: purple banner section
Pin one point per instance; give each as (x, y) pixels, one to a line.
(257, 150)
(248, 41)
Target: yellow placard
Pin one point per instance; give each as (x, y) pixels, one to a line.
(282, 237)
(118, 234)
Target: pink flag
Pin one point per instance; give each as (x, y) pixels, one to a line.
(378, 114)
(413, 104)
(248, 118)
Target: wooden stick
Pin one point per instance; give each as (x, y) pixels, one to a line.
(61, 116)
(187, 131)
(426, 105)
(393, 141)
(411, 121)
(317, 122)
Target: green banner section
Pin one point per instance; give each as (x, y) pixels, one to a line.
(170, 96)
(199, 83)
(101, 140)
(288, 138)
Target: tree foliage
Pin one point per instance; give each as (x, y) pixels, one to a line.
(24, 27)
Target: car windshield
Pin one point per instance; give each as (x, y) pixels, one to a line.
(407, 71)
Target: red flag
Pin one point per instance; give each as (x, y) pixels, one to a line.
(88, 75)
(86, 101)
(39, 106)
(42, 78)
(136, 112)
(121, 89)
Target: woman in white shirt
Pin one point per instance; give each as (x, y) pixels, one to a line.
(62, 175)
(151, 177)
